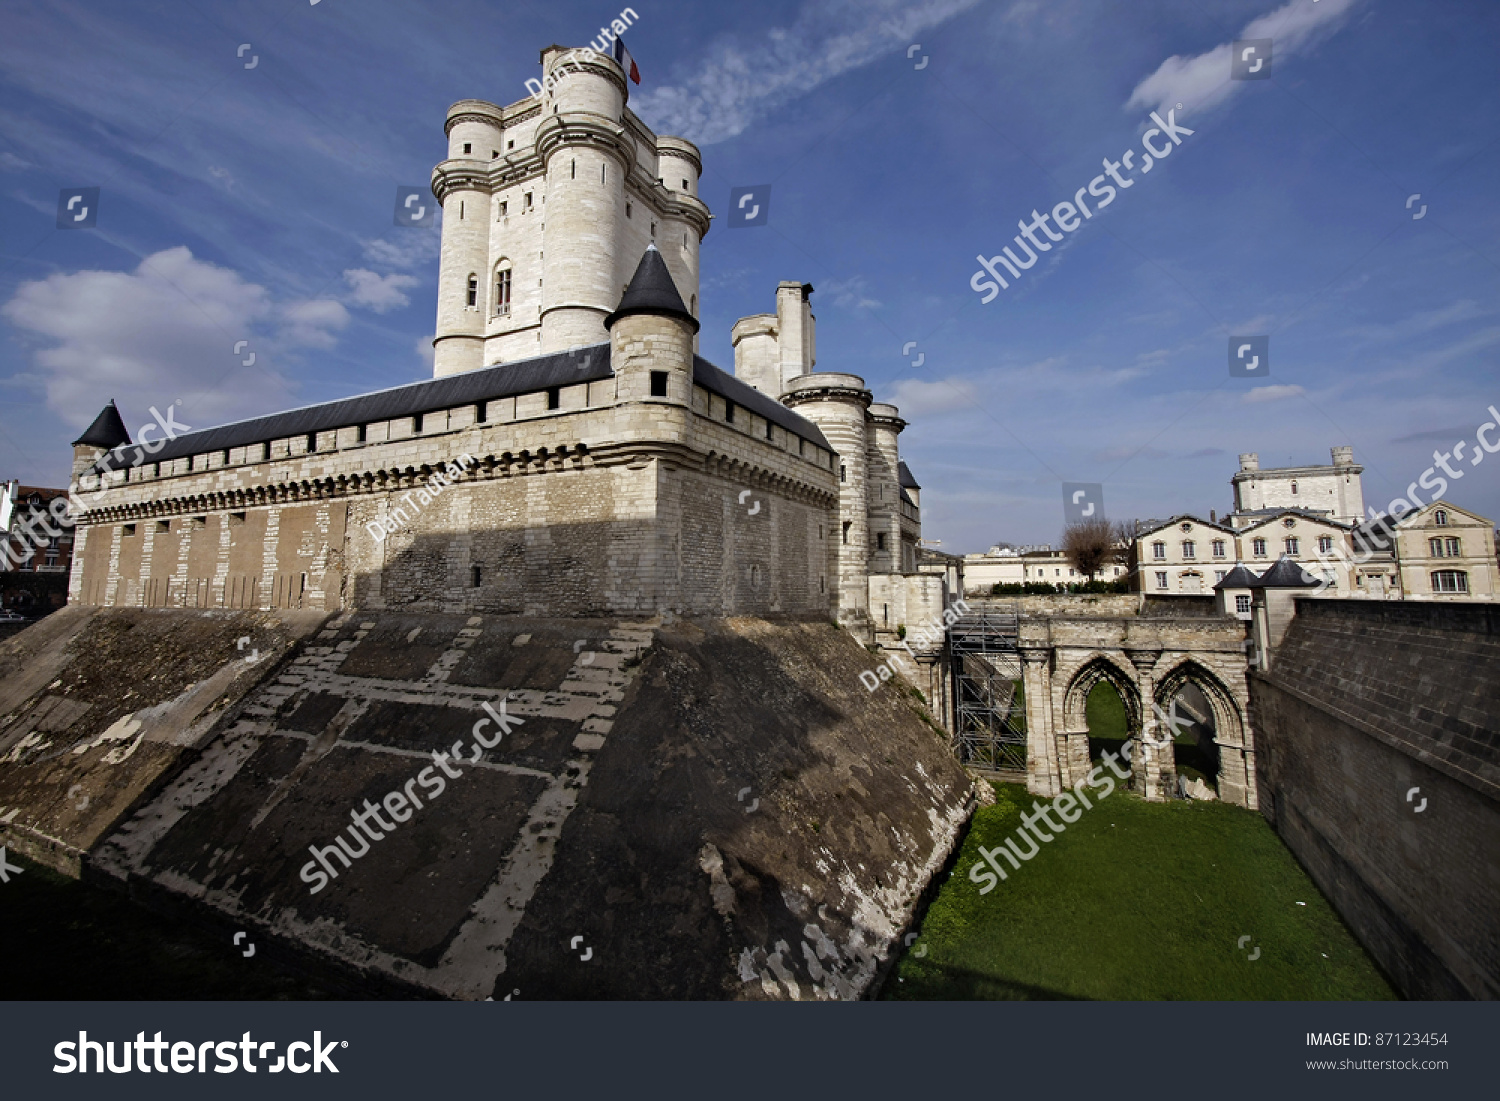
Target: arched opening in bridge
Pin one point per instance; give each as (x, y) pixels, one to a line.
(1208, 746)
(1108, 721)
(1195, 754)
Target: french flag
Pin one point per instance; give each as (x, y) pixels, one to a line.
(622, 55)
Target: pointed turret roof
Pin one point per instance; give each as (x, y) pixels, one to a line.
(1237, 578)
(108, 430)
(651, 291)
(1286, 574)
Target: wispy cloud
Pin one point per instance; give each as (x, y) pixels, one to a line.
(849, 294)
(381, 293)
(914, 397)
(1272, 393)
(1202, 81)
(739, 81)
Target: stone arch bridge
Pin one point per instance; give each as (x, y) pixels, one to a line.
(1148, 661)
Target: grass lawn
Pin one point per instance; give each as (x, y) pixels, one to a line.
(1135, 900)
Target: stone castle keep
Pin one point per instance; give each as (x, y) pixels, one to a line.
(617, 472)
(636, 555)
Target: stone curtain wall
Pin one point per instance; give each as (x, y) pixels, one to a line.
(1364, 702)
(253, 558)
(554, 537)
(620, 508)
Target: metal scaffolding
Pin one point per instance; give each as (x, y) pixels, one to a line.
(989, 729)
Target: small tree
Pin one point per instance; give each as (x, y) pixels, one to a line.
(1088, 545)
(1124, 542)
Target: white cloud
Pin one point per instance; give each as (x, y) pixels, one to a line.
(739, 81)
(849, 294)
(915, 397)
(410, 249)
(312, 323)
(166, 330)
(1201, 82)
(381, 293)
(1272, 393)
(425, 350)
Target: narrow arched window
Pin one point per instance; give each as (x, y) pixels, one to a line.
(473, 297)
(502, 289)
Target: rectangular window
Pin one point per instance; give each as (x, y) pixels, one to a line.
(359, 434)
(1453, 548)
(658, 384)
(528, 200)
(481, 411)
(127, 530)
(847, 524)
(163, 526)
(729, 412)
(1161, 579)
(770, 433)
(502, 293)
(880, 540)
(1292, 545)
(554, 397)
(1218, 548)
(1435, 546)
(1219, 575)
(504, 208)
(1158, 550)
(843, 473)
(1450, 581)
(416, 424)
(312, 442)
(1258, 546)
(1325, 544)
(476, 577)
(1189, 549)
(1242, 603)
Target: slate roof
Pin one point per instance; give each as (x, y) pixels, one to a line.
(1150, 526)
(108, 430)
(1265, 515)
(651, 291)
(721, 382)
(1285, 574)
(903, 474)
(528, 376)
(1237, 578)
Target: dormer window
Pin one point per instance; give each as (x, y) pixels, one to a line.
(1440, 518)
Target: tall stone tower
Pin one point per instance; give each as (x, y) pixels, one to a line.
(547, 205)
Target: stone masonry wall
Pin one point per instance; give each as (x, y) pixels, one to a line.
(1379, 764)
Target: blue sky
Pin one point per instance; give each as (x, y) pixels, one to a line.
(254, 204)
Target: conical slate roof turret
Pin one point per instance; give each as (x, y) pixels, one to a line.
(107, 431)
(1237, 578)
(651, 291)
(1286, 574)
